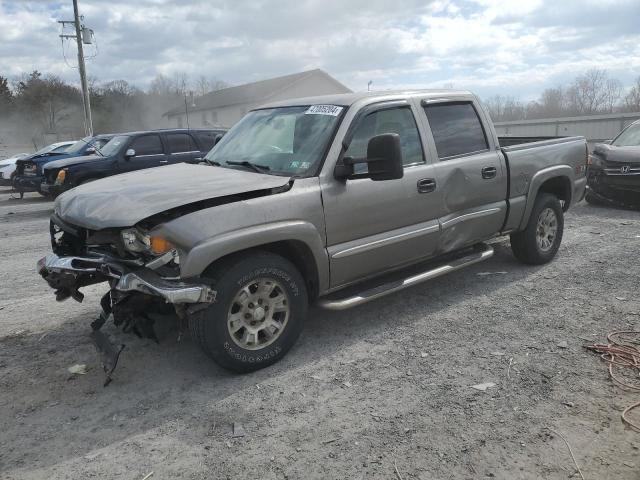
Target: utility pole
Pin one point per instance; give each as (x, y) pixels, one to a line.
(86, 102)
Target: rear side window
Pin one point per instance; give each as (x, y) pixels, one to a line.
(181, 142)
(147, 145)
(456, 129)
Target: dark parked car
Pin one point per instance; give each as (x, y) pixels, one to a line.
(127, 152)
(614, 169)
(29, 171)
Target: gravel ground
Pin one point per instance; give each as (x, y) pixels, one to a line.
(380, 391)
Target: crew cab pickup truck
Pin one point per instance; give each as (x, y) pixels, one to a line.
(334, 200)
(126, 152)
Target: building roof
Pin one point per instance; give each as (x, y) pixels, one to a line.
(348, 99)
(254, 92)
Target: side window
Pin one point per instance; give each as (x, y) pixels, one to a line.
(207, 139)
(180, 143)
(147, 145)
(456, 129)
(393, 120)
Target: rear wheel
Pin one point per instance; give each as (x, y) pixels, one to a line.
(258, 314)
(539, 242)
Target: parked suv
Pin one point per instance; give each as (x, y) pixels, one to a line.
(29, 171)
(614, 169)
(333, 200)
(127, 152)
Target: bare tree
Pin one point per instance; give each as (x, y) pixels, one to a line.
(590, 92)
(613, 92)
(161, 86)
(203, 86)
(632, 98)
(553, 102)
(504, 108)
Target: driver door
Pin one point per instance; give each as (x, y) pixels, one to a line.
(374, 226)
(149, 153)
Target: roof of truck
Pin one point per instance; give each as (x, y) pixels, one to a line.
(347, 99)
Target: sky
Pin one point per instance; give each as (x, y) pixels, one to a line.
(506, 47)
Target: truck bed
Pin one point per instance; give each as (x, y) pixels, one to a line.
(510, 140)
(528, 163)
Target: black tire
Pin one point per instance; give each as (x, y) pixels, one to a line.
(209, 327)
(525, 245)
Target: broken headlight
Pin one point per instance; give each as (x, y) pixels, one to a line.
(136, 240)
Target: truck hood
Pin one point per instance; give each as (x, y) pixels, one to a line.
(43, 158)
(611, 153)
(68, 161)
(124, 200)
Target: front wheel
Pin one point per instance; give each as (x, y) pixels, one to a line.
(539, 242)
(258, 314)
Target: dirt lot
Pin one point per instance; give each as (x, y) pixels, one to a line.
(364, 392)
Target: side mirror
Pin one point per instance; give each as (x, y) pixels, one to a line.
(217, 139)
(384, 160)
(90, 150)
(129, 153)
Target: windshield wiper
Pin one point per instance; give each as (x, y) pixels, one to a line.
(253, 166)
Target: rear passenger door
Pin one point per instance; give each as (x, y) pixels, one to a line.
(470, 173)
(182, 147)
(149, 153)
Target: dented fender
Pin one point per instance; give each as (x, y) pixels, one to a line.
(205, 253)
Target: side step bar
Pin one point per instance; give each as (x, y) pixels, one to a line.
(483, 252)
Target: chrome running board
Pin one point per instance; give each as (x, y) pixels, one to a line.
(483, 252)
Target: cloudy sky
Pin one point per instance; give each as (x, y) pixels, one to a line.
(514, 47)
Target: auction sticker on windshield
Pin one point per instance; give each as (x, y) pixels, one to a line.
(332, 110)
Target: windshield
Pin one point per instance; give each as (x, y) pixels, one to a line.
(52, 148)
(629, 137)
(114, 145)
(286, 140)
(81, 145)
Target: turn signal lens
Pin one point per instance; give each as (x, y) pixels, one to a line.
(159, 245)
(62, 174)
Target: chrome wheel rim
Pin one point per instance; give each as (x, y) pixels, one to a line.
(547, 229)
(258, 314)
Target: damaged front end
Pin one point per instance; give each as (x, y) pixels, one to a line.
(143, 277)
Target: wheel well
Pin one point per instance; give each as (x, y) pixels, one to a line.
(560, 187)
(295, 251)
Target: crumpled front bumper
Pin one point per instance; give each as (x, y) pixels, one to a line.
(67, 274)
(27, 183)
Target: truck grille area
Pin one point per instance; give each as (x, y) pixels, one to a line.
(66, 239)
(50, 176)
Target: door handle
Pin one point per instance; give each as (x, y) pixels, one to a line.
(426, 185)
(489, 172)
(163, 161)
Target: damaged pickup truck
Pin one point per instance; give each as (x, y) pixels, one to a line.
(333, 200)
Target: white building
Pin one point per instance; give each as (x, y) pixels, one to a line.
(225, 107)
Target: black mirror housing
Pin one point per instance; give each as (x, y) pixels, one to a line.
(384, 160)
(384, 157)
